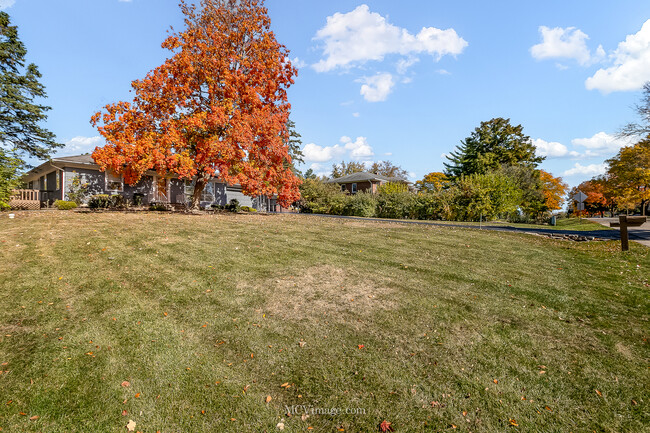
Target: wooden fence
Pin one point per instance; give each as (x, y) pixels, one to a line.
(25, 199)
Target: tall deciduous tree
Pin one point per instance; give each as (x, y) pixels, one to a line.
(217, 108)
(554, 190)
(629, 174)
(345, 168)
(432, 182)
(20, 115)
(388, 169)
(493, 144)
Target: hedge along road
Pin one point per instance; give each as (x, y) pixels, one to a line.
(639, 234)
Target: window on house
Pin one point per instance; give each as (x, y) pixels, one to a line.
(44, 183)
(342, 188)
(354, 188)
(114, 182)
(58, 180)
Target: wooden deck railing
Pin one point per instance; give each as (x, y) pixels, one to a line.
(25, 199)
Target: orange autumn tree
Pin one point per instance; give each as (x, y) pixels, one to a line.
(553, 189)
(217, 108)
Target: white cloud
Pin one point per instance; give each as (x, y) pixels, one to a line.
(586, 170)
(314, 152)
(377, 88)
(359, 36)
(296, 61)
(552, 149)
(357, 150)
(320, 169)
(356, 114)
(603, 143)
(4, 4)
(388, 154)
(124, 1)
(79, 145)
(631, 65)
(565, 43)
(404, 64)
(443, 72)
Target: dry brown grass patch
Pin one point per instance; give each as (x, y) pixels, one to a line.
(325, 291)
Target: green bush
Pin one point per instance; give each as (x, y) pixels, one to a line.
(118, 201)
(99, 201)
(233, 206)
(361, 204)
(322, 198)
(395, 205)
(138, 198)
(159, 207)
(64, 205)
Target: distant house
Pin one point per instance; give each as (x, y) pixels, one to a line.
(363, 181)
(53, 181)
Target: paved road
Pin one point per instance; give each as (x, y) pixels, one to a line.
(602, 234)
(639, 234)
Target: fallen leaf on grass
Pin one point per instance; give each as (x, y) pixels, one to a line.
(361, 346)
(285, 385)
(513, 422)
(34, 418)
(268, 398)
(124, 412)
(600, 394)
(548, 408)
(130, 426)
(385, 426)
(126, 384)
(137, 395)
(495, 381)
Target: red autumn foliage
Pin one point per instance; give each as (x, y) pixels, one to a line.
(385, 426)
(217, 108)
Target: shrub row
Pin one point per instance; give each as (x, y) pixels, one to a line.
(471, 198)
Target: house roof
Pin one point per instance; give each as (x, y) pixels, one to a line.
(57, 162)
(364, 176)
(77, 159)
(361, 176)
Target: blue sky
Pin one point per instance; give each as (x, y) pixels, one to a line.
(380, 80)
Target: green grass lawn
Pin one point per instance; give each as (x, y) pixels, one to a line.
(226, 323)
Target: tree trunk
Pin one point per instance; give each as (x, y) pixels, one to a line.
(201, 181)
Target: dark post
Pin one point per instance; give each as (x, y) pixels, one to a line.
(625, 242)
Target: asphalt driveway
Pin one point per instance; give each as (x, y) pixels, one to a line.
(638, 234)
